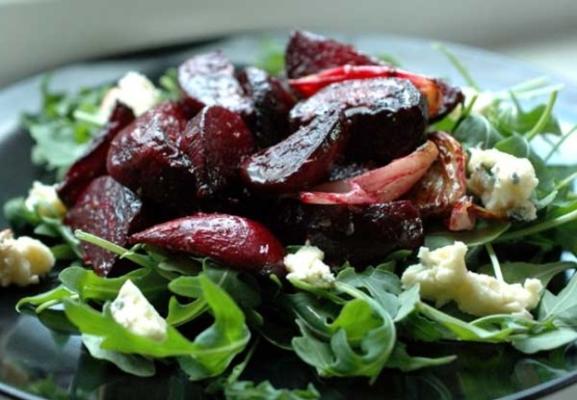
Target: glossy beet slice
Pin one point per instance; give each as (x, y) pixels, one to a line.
(216, 141)
(208, 79)
(359, 234)
(93, 163)
(108, 210)
(308, 53)
(301, 160)
(445, 182)
(145, 158)
(378, 185)
(272, 104)
(387, 117)
(441, 97)
(234, 241)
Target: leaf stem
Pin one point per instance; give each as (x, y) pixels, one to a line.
(459, 66)
(543, 226)
(494, 262)
(542, 122)
(465, 112)
(560, 142)
(142, 260)
(566, 181)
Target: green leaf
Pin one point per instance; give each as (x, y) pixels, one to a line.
(90, 286)
(247, 390)
(562, 307)
(477, 131)
(517, 272)
(483, 233)
(510, 119)
(179, 314)
(132, 364)
(408, 301)
(211, 351)
(356, 318)
(271, 58)
(401, 360)
(44, 300)
(545, 341)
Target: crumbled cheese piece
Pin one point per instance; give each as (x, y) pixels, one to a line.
(307, 265)
(504, 183)
(133, 311)
(133, 90)
(443, 276)
(43, 200)
(24, 260)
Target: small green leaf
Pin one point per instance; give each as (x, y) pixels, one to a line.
(545, 341)
(517, 272)
(179, 314)
(401, 360)
(247, 390)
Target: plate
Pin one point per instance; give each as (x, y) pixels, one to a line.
(37, 363)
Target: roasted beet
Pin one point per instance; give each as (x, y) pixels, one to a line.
(301, 160)
(272, 104)
(308, 53)
(93, 163)
(208, 79)
(145, 158)
(359, 234)
(441, 97)
(108, 210)
(216, 141)
(387, 117)
(444, 183)
(378, 185)
(234, 241)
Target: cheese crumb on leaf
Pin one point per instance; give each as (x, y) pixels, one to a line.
(133, 90)
(23, 260)
(306, 265)
(133, 311)
(504, 183)
(43, 200)
(443, 276)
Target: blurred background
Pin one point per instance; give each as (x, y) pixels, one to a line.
(40, 34)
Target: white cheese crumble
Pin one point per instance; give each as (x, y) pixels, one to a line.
(44, 200)
(443, 276)
(133, 90)
(133, 311)
(306, 265)
(24, 260)
(504, 183)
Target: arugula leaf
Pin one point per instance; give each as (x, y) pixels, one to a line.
(485, 232)
(562, 307)
(547, 340)
(60, 134)
(45, 300)
(247, 390)
(132, 364)
(271, 58)
(477, 131)
(169, 86)
(517, 272)
(208, 355)
(401, 360)
(179, 314)
(511, 119)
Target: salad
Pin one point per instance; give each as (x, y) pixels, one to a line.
(335, 207)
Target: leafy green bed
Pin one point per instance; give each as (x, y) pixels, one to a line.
(363, 325)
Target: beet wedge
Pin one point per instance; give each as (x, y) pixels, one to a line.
(386, 117)
(301, 160)
(234, 241)
(445, 183)
(380, 185)
(93, 163)
(216, 141)
(108, 210)
(272, 104)
(144, 157)
(307, 53)
(209, 79)
(441, 97)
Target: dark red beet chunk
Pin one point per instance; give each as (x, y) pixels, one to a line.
(145, 158)
(93, 163)
(272, 104)
(387, 117)
(216, 141)
(308, 53)
(301, 160)
(209, 79)
(363, 235)
(108, 210)
(234, 241)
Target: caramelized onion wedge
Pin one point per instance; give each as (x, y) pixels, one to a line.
(445, 183)
(380, 185)
(441, 97)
